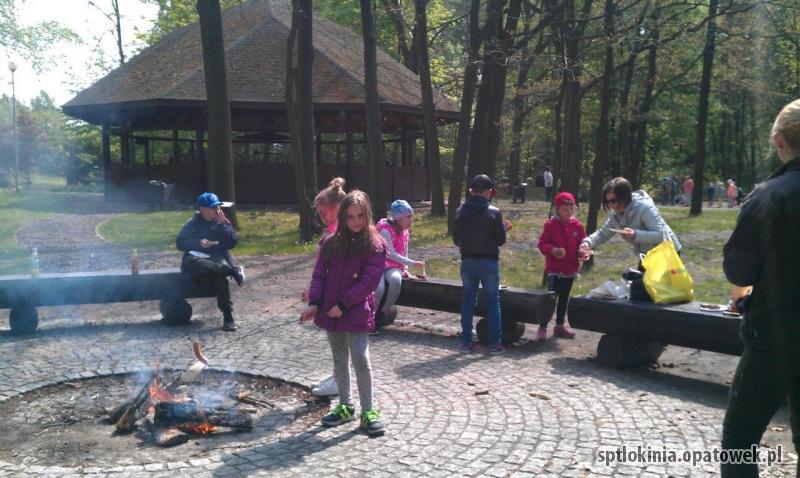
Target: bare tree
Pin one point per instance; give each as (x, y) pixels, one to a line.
(300, 112)
(220, 150)
(702, 109)
(373, 113)
(465, 113)
(432, 159)
(115, 18)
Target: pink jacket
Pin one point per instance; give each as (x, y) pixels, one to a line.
(350, 283)
(569, 235)
(399, 242)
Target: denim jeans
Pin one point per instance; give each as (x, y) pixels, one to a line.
(485, 272)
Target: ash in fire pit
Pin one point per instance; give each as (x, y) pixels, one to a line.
(75, 424)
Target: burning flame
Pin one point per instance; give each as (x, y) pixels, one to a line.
(159, 394)
(200, 428)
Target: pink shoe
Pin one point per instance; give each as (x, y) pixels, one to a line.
(541, 334)
(563, 332)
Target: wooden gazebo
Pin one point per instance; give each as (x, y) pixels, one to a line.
(155, 106)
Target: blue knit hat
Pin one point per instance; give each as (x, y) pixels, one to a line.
(401, 208)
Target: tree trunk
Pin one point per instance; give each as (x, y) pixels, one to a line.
(373, 114)
(433, 161)
(478, 137)
(300, 112)
(603, 133)
(702, 110)
(486, 135)
(465, 114)
(558, 134)
(519, 105)
(624, 142)
(118, 28)
(640, 139)
(395, 13)
(220, 151)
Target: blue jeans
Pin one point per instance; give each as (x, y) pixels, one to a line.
(485, 272)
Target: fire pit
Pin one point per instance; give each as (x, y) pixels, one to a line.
(149, 417)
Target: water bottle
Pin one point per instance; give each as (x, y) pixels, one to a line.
(135, 262)
(34, 262)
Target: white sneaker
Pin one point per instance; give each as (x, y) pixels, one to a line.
(326, 387)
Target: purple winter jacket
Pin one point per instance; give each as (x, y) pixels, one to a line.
(349, 283)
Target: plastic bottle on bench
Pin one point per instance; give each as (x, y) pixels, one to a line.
(135, 262)
(34, 262)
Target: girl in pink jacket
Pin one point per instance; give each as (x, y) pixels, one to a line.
(559, 242)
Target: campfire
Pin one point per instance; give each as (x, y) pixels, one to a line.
(169, 410)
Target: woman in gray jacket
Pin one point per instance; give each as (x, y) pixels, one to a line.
(634, 216)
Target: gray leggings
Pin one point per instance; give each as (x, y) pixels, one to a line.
(395, 279)
(344, 346)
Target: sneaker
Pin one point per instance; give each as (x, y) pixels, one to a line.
(371, 423)
(563, 332)
(541, 334)
(497, 349)
(339, 414)
(326, 387)
(228, 325)
(468, 348)
(238, 275)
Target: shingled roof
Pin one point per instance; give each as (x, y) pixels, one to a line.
(169, 73)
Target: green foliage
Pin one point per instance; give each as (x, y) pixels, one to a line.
(30, 43)
(175, 14)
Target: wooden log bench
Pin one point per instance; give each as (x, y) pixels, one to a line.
(636, 332)
(23, 293)
(518, 306)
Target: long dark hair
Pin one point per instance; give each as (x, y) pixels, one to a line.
(344, 243)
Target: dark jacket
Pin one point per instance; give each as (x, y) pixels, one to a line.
(350, 283)
(764, 251)
(478, 229)
(198, 228)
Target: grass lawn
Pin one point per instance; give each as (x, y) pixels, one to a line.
(45, 197)
(702, 239)
(273, 230)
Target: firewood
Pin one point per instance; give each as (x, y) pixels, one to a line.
(128, 418)
(244, 397)
(114, 413)
(189, 413)
(166, 437)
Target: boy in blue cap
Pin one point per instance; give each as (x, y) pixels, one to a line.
(205, 240)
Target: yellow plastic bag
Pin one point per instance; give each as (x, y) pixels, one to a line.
(665, 277)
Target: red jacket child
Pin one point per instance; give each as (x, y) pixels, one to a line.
(562, 231)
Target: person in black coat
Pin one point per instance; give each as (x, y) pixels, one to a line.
(763, 253)
(206, 240)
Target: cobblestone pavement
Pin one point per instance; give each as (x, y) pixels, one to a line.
(520, 414)
(537, 410)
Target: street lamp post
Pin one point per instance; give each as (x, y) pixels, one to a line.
(13, 67)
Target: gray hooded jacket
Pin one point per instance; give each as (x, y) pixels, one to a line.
(642, 216)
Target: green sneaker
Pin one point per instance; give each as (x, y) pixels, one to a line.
(339, 414)
(371, 423)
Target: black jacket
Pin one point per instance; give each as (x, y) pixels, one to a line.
(478, 229)
(764, 251)
(198, 228)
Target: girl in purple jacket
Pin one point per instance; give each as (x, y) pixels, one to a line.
(342, 301)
